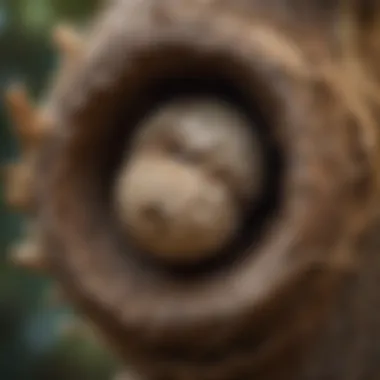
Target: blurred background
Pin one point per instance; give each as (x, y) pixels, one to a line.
(36, 340)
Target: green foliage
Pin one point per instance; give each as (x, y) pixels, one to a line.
(74, 10)
(38, 16)
(74, 358)
(30, 347)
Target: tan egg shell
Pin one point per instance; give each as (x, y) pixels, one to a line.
(179, 195)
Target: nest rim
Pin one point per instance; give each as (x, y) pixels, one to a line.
(84, 256)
